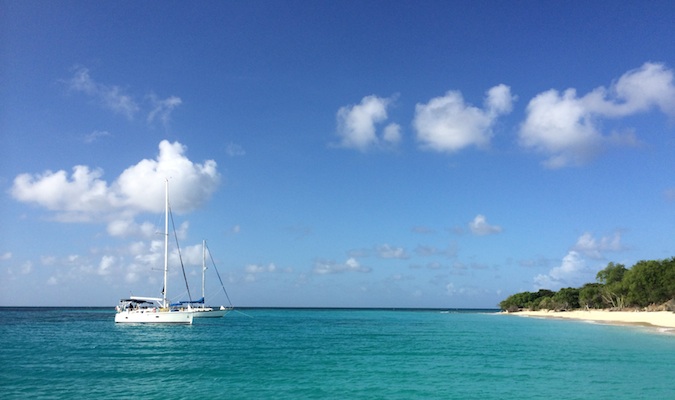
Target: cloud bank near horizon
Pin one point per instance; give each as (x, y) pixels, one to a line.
(575, 269)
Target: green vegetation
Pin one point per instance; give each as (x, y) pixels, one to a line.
(647, 284)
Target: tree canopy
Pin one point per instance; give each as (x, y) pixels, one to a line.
(647, 283)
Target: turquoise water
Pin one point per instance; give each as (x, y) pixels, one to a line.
(330, 354)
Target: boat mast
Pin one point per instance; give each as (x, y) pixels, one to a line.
(203, 264)
(166, 240)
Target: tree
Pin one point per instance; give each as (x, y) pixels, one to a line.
(650, 282)
(613, 273)
(525, 300)
(590, 296)
(546, 303)
(613, 291)
(646, 283)
(567, 298)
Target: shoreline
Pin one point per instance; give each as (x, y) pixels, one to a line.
(655, 319)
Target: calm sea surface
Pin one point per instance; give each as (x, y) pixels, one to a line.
(59, 353)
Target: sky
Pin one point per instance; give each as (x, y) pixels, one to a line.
(332, 153)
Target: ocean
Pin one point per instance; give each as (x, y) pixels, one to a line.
(72, 353)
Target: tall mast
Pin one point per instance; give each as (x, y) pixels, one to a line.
(203, 264)
(166, 240)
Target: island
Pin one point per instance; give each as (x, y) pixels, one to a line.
(643, 294)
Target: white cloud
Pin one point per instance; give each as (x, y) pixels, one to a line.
(115, 99)
(26, 268)
(75, 198)
(329, 267)
(95, 135)
(253, 271)
(190, 184)
(387, 251)
(573, 270)
(426, 251)
(480, 226)
(84, 196)
(110, 97)
(357, 124)
(161, 109)
(569, 273)
(564, 126)
(106, 265)
(639, 90)
(392, 134)
(560, 126)
(123, 227)
(448, 124)
(6, 256)
(595, 248)
(256, 269)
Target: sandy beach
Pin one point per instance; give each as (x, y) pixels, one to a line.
(662, 319)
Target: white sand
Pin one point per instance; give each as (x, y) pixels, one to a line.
(665, 319)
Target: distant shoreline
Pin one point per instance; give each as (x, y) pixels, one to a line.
(471, 310)
(657, 319)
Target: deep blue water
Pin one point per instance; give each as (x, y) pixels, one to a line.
(330, 354)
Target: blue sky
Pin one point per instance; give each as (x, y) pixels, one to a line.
(347, 154)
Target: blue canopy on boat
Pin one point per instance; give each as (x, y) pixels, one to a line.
(180, 303)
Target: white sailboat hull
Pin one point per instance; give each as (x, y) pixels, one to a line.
(209, 312)
(153, 317)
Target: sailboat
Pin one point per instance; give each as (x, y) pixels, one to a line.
(155, 310)
(198, 307)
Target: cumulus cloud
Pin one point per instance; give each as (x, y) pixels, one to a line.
(564, 126)
(106, 264)
(83, 196)
(329, 267)
(128, 227)
(392, 134)
(566, 274)
(480, 226)
(448, 124)
(256, 269)
(596, 248)
(356, 124)
(74, 197)
(252, 271)
(191, 183)
(574, 270)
